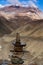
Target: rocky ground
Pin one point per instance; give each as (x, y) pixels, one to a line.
(31, 33)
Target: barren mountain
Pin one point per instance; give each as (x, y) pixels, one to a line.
(11, 11)
(30, 29)
(8, 26)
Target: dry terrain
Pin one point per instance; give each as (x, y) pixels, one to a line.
(31, 33)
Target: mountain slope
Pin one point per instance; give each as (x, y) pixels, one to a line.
(7, 26)
(32, 37)
(11, 11)
(23, 24)
(4, 28)
(31, 33)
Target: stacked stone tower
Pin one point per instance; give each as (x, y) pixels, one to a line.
(17, 51)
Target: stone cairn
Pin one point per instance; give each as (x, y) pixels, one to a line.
(17, 52)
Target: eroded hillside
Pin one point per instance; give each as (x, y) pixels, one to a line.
(31, 33)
